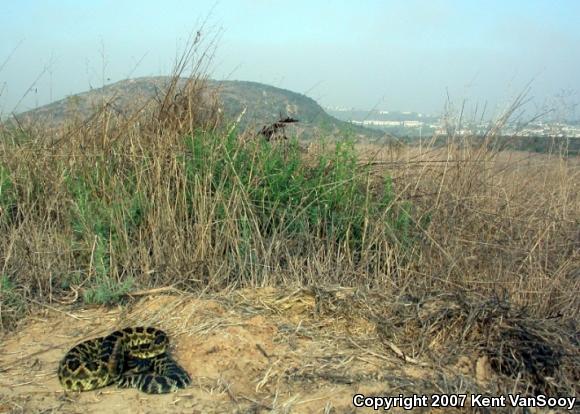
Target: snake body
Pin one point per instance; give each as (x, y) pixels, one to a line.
(134, 357)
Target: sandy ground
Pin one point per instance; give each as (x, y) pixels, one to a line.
(251, 352)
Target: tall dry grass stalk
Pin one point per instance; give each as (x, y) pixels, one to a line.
(170, 196)
(499, 221)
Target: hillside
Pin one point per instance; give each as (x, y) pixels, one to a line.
(287, 281)
(263, 104)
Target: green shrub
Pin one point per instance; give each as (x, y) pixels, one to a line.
(106, 212)
(283, 194)
(8, 199)
(107, 291)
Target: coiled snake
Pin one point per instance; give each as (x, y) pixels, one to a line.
(132, 358)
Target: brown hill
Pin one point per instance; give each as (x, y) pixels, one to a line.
(249, 104)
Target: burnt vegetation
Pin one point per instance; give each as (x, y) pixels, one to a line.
(277, 130)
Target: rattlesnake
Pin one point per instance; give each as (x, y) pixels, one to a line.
(132, 357)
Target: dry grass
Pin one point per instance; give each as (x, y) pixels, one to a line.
(471, 250)
(303, 350)
(499, 222)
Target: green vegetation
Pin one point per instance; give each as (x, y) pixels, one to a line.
(568, 147)
(169, 198)
(560, 145)
(105, 212)
(7, 195)
(284, 195)
(117, 214)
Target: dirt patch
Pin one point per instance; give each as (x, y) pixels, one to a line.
(254, 351)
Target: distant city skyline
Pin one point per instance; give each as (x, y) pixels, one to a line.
(391, 55)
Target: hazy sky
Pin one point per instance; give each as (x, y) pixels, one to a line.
(392, 55)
